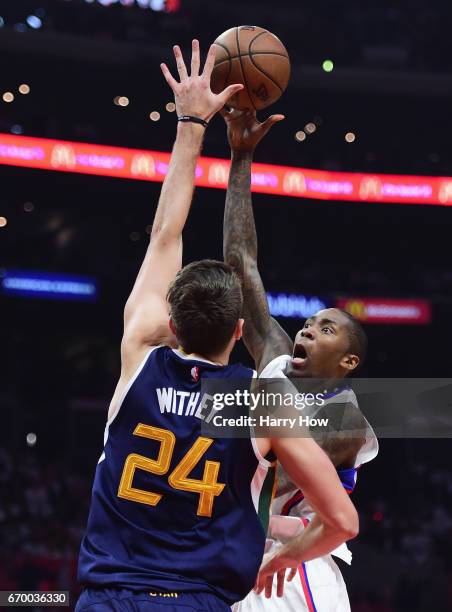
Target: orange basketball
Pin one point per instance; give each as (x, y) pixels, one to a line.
(256, 58)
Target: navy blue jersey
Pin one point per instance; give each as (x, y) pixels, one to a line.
(172, 510)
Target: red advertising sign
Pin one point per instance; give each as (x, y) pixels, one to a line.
(389, 311)
(145, 165)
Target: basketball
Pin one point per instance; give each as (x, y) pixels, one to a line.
(256, 58)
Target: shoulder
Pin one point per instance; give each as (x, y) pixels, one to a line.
(357, 438)
(369, 450)
(239, 367)
(129, 376)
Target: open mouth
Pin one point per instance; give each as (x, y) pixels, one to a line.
(299, 355)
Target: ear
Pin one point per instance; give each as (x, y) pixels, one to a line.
(349, 362)
(239, 329)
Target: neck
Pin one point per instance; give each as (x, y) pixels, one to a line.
(217, 358)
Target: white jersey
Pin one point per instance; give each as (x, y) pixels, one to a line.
(319, 586)
(288, 499)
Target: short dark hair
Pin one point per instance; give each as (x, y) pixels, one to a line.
(357, 337)
(206, 302)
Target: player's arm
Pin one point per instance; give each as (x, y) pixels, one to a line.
(146, 311)
(309, 468)
(263, 336)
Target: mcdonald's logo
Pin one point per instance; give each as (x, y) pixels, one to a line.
(445, 192)
(370, 187)
(387, 310)
(218, 174)
(294, 182)
(142, 165)
(356, 308)
(63, 155)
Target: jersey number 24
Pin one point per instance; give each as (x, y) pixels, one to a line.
(207, 488)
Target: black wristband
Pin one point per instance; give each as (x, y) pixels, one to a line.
(190, 118)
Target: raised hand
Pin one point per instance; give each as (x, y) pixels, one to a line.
(245, 131)
(192, 94)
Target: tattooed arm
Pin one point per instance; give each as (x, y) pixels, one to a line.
(263, 336)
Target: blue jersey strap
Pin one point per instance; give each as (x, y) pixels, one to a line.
(348, 478)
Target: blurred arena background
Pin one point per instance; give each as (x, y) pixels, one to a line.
(370, 92)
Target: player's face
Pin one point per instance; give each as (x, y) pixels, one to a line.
(321, 347)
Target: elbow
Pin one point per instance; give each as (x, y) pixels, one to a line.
(165, 237)
(242, 263)
(165, 231)
(346, 524)
(159, 232)
(234, 259)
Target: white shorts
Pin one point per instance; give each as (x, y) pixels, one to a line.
(318, 587)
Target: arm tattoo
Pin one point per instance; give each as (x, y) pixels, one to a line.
(263, 337)
(239, 230)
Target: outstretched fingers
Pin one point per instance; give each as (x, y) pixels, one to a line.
(181, 68)
(270, 122)
(195, 61)
(210, 63)
(168, 76)
(274, 119)
(230, 91)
